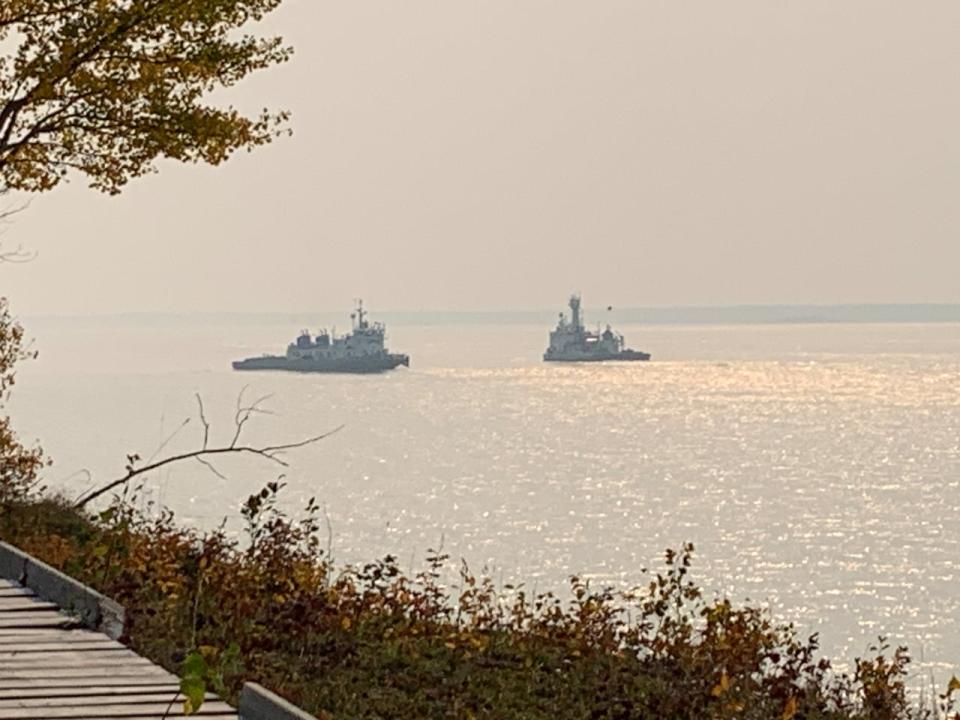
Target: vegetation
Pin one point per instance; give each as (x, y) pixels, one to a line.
(371, 642)
(105, 87)
(19, 465)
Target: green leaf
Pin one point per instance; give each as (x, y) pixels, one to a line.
(194, 666)
(193, 689)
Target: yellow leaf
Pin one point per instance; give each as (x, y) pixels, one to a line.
(954, 684)
(721, 687)
(790, 710)
(345, 623)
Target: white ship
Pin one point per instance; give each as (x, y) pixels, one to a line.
(360, 351)
(572, 342)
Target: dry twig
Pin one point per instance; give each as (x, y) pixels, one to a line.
(203, 455)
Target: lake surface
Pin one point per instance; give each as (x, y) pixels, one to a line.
(815, 467)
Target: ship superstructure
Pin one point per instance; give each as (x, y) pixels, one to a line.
(570, 341)
(363, 350)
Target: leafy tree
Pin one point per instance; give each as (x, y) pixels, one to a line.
(105, 87)
(18, 464)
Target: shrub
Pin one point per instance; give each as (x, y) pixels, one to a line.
(369, 641)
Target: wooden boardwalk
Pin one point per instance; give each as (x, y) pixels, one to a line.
(52, 667)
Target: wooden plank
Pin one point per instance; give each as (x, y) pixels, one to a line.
(59, 646)
(28, 611)
(28, 615)
(31, 612)
(74, 650)
(60, 633)
(138, 710)
(106, 659)
(104, 664)
(102, 700)
(16, 592)
(108, 691)
(4, 583)
(11, 602)
(48, 650)
(46, 636)
(49, 620)
(173, 714)
(42, 635)
(90, 674)
(113, 680)
(111, 656)
(17, 604)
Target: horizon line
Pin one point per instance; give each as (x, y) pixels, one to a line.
(749, 313)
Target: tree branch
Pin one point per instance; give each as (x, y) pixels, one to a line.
(269, 453)
(203, 455)
(18, 254)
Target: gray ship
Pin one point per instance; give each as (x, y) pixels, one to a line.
(360, 351)
(572, 342)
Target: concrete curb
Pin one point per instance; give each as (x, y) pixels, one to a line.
(94, 610)
(258, 703)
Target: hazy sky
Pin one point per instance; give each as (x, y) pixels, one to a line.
(499, 154)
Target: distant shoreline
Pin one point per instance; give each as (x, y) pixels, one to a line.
(691, 315)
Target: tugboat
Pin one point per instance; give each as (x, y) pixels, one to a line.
(572, 342)
(360, 351)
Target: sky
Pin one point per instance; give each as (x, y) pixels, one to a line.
(499, 154)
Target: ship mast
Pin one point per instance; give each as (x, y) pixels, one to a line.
(361, 313)
(575, 311)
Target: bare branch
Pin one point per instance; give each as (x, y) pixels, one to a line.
(245, 412)
(203, 419)
(167, 440)
(77, 473)
(211, 468)
(18, 254)
(270, 453)
(290, 446)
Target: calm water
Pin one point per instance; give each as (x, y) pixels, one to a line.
(816, 467)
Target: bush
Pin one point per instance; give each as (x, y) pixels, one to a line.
(364, 642)
(19, 465)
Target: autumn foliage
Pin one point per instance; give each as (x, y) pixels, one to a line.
(369, 642)
(106, 87)
(19, 464)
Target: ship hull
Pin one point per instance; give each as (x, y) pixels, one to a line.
(624, 356)
(362, 365)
